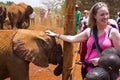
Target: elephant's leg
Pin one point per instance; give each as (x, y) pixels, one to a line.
(3, 71)
(1, 23)
(11, 23)
(15, 25)
(19, 25)
(18, 69)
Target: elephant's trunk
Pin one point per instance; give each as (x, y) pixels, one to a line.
(58, 70)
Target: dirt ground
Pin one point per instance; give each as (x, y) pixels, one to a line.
(39, 73)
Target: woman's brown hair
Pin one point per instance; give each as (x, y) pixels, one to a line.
(93, 12)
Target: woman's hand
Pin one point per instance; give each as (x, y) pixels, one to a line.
(95, 61)
(50, 33)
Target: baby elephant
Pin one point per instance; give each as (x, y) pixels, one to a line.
(20, 47)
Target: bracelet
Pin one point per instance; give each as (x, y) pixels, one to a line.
(58, 35)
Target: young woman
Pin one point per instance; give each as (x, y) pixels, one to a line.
(107, 36)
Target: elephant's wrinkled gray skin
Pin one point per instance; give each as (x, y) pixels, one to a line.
(20, 47)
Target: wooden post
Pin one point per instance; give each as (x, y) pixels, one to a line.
(68, 54)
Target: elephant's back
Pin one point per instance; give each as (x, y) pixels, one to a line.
(28, 37)
(14, 9)
(11, 7)
(23, 33)
(6, 39)
(22, 4)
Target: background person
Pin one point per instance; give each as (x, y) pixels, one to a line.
(77, 19)
(32, 18)
(48, 18)
(118, 24)
(107, 36)
(84, 20)
(83, 45)
(57, 20)
(118, 18)
(42, 14)
(113, 23)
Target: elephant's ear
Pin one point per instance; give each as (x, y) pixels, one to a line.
(37, 56)
(40, 57)
(29, 10)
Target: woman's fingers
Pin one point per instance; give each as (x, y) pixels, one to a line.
(50, 33)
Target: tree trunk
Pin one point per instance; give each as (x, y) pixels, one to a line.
(68, 54)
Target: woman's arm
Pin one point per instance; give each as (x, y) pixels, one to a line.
(115, 37)
(81, 37)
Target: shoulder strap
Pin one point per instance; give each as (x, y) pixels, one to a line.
(96, 40)
(109, 32)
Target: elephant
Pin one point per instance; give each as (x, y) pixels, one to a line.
(20, 47)
(2, 15)
(28, 11)
(18, 15)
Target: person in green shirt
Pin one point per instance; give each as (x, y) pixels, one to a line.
(77, 19)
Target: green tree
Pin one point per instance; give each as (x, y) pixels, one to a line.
(2, 3)
(112, 4)
(9, 3)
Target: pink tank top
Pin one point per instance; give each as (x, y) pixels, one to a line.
(104, 42)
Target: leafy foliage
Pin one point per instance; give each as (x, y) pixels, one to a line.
(1, 3)
(8, 3)
(112, 4)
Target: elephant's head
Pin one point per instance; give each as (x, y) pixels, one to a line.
(54, 52)
(55, 56)
(28, 10)
(51, 49)
(39, 50)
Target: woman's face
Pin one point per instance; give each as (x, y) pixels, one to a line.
(102, 16)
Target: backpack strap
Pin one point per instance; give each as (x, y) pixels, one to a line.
(96, 40)
(109, 32)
